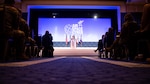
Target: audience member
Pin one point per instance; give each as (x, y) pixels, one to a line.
(29, 42)
(105, 44)
(47, 44)
(127, 36)
(99, 48)
(109, 40)
(23, 26)
(143, 33)
(10, 30)
(116, 48)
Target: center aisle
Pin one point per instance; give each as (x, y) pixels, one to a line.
(73, 70)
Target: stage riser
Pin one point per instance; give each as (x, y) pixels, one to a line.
(84, 44)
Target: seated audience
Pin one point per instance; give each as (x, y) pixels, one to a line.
(10, 31)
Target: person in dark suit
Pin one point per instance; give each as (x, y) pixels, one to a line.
(99, 48)
(47, 44)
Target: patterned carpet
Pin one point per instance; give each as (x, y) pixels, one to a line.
(42, 60)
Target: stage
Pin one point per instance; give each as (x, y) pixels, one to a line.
(79, 51)
(67, 51)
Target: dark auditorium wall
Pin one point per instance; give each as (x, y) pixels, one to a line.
(137, 17)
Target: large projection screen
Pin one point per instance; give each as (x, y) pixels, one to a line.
(85, 29)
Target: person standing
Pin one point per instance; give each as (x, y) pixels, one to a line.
(73, 42)
(47, 44)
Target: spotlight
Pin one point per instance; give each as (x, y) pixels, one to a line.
(95, 16)
(54, 16)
